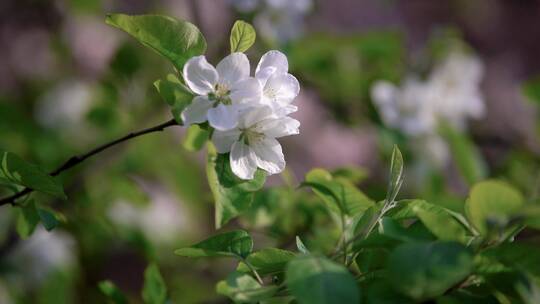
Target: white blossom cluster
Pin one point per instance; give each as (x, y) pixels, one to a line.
(247, 113)
(451, 94)
(276, 20)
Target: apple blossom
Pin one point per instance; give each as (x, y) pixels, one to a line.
(279, 87)
(252, 144)
(221, 91)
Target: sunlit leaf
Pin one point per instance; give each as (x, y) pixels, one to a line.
(267, 260)
(195, 138)
(426, 270)
(300, 246)
(237, 243)
(493, 201)
(396, 175)
(174, 39)
(243, 288)
(242, 36)
(154, 289)
(175, 94)
(19, 172)
(315, 279)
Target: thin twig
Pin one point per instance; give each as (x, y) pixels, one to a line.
(77, 159)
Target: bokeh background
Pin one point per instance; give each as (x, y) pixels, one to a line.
(69, 82)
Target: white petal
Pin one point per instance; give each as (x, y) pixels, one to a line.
(274, 59)
(269, 156)
(252, 115)
(200, 76)
(281, 89)
(243, 163)
(275, 128)
(223, 117)
(247, 91)
(233, 68)
(223, 140)
(196, 112)
(263, 74)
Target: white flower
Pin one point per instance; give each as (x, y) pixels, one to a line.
(221, 91)
(404, 108)
(253, 142)
(279, 87)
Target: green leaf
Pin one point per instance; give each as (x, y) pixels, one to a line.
(48, 219)
(175, 94)
(300, 246)
(242, 288)
(154, 289)
(267, 261)
(437, 219)
(19, 172)
(174, 39)
(315, 279)
(426, 270)
(232, 195)
(27, 219)
(242, 36)
(531, 89)
(113, 293)
(518, 255)
(339, 194)
(235, 243)
(396, 175)
(492, 201)
(195, 138)
(467, 157)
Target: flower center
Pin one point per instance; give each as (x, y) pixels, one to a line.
(220, 94)
(250, 136)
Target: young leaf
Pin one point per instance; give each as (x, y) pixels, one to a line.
(436, 218)
(113, 293)
(467, 157)
(396, 175)
(315, 279)
(242, 288)
(48, 219)
(27, 219)
(300, 246)
(268, 260)
(19, 172)
(242, 36)
(426, 270)
(491, 200)
(195, 138)
(339, 194)
(235, 243)
(154, 289)
(174, 39)
(175, 94)
(232, 195)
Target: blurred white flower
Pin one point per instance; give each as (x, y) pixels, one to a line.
(253, 143)
(44, 252)
(279, 87)
(64, 105)
(222, 90)
(451, 94)
(276, 20)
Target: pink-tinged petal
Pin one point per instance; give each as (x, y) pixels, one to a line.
(199, 75)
